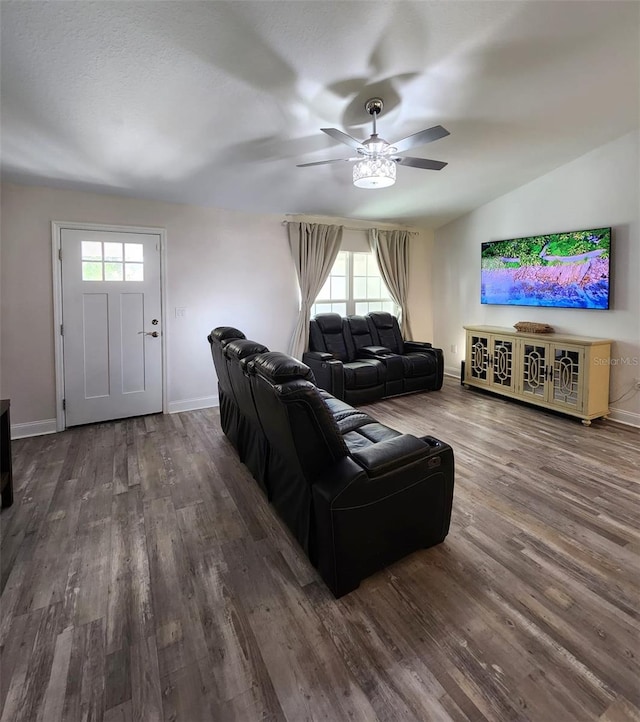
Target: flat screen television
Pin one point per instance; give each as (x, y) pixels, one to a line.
(563, 270)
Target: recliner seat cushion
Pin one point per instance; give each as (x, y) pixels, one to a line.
(361, 374)
(351, 422)
(417, 364)
(336, 406)
(368, 434)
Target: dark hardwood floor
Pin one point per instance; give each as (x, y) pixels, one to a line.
(144, 577)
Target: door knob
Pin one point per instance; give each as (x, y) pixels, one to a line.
(155, 334)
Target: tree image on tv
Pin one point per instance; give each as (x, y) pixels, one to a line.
(569, 270)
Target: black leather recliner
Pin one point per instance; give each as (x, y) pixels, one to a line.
(343, 352)
(358, 335)
(229, 413)
(332, 358)
(423, 365)
(251, 442)
(356, 494)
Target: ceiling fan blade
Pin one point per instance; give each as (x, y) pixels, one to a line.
(342, 137)
(421, 163)
(324, 162)
(420, 138)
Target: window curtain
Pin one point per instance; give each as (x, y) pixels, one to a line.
(391, 249)
(314, 248)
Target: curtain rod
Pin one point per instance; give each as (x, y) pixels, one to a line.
(353, 228)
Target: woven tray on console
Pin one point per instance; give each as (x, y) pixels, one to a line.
(532, 327)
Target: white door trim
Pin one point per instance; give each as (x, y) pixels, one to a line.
(56, 233)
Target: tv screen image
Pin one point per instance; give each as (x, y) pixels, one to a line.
(563, 270)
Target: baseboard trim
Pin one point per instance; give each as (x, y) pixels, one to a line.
(629, 418)
(33, 428)
(48, 426)
(205, 402)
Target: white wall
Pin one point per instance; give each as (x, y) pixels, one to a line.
(224, 267)
(221, 266)
(599, 189)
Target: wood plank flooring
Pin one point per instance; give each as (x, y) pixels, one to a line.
(144, 577)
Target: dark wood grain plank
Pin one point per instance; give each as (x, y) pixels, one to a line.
(129, 606)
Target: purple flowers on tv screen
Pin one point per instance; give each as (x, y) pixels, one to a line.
(565, 270)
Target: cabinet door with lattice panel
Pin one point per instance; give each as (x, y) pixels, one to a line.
(477, 359)
(502, 362)
(566, 379)
(534, 370)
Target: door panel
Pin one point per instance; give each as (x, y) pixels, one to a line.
(133, 343)
(478, 358)
(502, 362)
(95, 344)
(110, 295)
(567, 383)
(534, 369)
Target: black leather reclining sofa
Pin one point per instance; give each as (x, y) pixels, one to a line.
(364, 358)
(356, 494)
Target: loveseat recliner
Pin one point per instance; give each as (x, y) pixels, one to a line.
(422, 365)
(356, 494)
(336, 366)
(364, 358)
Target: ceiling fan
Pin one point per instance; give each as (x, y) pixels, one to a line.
(375, 164)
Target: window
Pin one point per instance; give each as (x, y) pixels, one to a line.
(354, 286)
(112, 261)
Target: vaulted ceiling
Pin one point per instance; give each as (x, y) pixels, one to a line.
(214, 103)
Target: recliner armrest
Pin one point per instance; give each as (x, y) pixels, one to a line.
(374, 352)
(328, 371)
(416, 345)
(331, 481)
(391, 454)
(309, 356)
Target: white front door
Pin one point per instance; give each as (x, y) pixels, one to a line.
(111, 324)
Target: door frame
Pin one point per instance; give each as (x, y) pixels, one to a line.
(56, 244)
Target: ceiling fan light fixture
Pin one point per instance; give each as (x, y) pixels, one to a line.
(375, 172)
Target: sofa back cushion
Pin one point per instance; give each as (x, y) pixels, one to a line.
(326, 334)
(235, 352)
(293, 414)
(357, 334)
(219, 338)
(385, 330)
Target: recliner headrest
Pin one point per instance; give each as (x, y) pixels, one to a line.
(277, 368)
(225, 333)
(381, 319)
(329, 322)
(358, 325)
(241, 348)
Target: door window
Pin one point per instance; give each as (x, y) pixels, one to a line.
(102, 261)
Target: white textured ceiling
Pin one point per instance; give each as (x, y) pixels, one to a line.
(214, 103)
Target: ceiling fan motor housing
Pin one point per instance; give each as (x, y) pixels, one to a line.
(374, 106)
